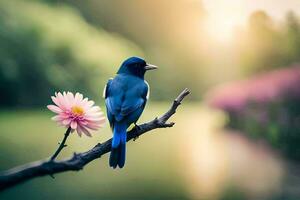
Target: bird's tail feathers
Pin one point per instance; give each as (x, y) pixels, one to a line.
(118, 149)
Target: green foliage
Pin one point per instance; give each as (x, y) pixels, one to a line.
(276, 122)
(47, 48)
(292, 37)
(265, 44)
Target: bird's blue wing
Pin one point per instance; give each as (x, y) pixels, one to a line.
(134, 102)
(121, 101)
(132, 106)
(114, 97)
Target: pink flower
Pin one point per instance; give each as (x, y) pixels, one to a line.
(276, 85)
(76, 112)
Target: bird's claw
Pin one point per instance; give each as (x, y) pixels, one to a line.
(137, 127)
(135, 138)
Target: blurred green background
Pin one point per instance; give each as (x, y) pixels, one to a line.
(236, 137)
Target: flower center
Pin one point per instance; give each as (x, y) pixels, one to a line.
(77, 110)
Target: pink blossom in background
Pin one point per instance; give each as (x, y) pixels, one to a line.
(76, 112)
(276, 85)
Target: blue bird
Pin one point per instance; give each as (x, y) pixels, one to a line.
(125, 97)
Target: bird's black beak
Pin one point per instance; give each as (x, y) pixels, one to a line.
(150, 67)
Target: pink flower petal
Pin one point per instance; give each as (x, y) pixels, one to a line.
(68, 102)
(78, 98)
(56, 118)
(66, 122)
(61, 101)
(54, 108)
(55, 100)
(93, 126)
(97, 121)
(70, 97)
(84, 102)
(94, 109)
(89, 104)
(90, 118)
(73, 124)
(86, 132)
(96, 114)
(79, 131)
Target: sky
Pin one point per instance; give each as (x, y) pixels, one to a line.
(225, 15)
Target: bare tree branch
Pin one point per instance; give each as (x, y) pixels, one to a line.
(28, 171)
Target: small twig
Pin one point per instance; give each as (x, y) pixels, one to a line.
(26, 172)
(62, 144)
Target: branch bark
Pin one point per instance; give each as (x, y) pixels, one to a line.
(50, 167)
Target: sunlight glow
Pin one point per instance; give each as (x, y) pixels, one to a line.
(224, 16)
(221, 30)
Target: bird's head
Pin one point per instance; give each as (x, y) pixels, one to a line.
(135, 66)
